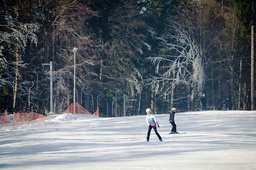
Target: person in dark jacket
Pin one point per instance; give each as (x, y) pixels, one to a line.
(172, 121)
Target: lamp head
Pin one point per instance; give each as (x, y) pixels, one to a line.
(74, 49)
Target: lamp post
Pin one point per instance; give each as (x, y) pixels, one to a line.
(74, 90)
(51, 86)
(29, 90)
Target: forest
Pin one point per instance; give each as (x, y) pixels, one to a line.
(123, 56)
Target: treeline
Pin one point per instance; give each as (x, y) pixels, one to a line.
(132, 54)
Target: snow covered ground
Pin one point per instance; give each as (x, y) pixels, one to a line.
(212, 140)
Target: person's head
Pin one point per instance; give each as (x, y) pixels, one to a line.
(148, 111)
(174, 109)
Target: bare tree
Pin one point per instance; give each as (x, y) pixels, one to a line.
(179, 63)
(64, 25)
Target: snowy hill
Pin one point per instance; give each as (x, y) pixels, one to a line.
(208, 140)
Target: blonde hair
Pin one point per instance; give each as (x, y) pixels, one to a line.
(148, 110)
(174, 109)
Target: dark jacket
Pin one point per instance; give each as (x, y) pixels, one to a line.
(172, 114)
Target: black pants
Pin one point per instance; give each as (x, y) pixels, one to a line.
(155, 129)
(174, 130)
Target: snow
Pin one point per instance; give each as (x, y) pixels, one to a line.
(208, 140)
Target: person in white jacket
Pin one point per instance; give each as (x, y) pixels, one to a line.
(152, 123)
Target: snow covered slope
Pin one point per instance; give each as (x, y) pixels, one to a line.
(212, 140)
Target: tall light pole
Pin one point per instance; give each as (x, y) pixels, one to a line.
(51, 87)
(74, 90)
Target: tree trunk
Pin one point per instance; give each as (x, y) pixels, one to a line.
(101, 69)
(16, 68)
(172, 92)
(139, 104)
(252, 58)
(152, 100)
(213, 96)
(240, 86)
(252, 67)
(232, 83)
(16, 78)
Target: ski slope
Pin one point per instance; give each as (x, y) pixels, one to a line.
(212, 140)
